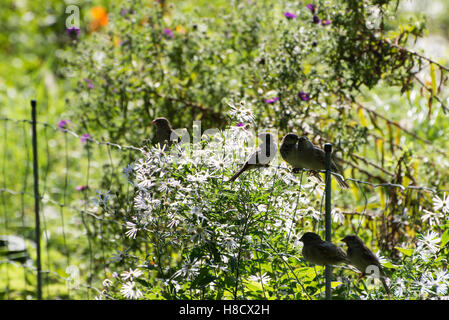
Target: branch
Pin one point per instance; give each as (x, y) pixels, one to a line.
(423, 85)
(366, 161)
(394, 123)
(414, 53)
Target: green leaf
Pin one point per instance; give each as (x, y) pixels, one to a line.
(389, 265)
(203, 279)
(407, 252)
(334, 284)
(444, 238)
(433, 78)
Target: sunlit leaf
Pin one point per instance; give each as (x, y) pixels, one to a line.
(362, 118)
(444, 238)
(433, 78)
(407, 252)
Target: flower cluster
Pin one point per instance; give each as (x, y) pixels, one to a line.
(185, 203)
(423, 275)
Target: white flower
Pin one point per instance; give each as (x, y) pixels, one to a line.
(229, 243)
(132, 230)
(338, 216)
(107, 283)
(131, 274)
(312, 213)
(430, 241)
(100, 295)
(200, 233)
(241, 113)
(189, 269)
(428, 285)
(129, 291)
(442, 205)
(399, 289)
(263, 279)
(432, 217)
(174, 221)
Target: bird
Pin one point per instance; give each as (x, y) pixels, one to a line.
(300, 153)
(318, 251)
(261, 157)
(361, 257)
(165, 135)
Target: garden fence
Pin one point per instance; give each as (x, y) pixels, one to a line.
(56, 217)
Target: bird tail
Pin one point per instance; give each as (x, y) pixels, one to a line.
(341, 182)
(238, 173)
(384, 283)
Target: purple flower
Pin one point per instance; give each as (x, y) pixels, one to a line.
(63, 124)
(272, 100)
(311, 7)
(82, 188)
(90, 85)
(304, 96)
(240, 124)
(316, 19)
(123, 12)
(325, 22)
(85, 137)
(168, 32)
(290, 15)
(73, 31)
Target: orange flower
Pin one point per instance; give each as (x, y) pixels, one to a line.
(116, 40)
(180, 29)
(100, 18)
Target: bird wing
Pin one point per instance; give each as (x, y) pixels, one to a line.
(371, 259)
(319, 159)
(320, 156)
(332, 253)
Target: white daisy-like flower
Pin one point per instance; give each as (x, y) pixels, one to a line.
(263, 279)
(129, 290)
(131, 274)
(433, 218)
(399, 288)
(132, 230)
(229, 243)
(441, 204)
(241, 112)
(430, 241)
(312, 213)
(338, 216)
(189, 269)
(107, 283)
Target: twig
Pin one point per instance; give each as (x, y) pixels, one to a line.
(394, 123)
(417, 54)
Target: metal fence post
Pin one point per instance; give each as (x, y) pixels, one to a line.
(328, 210)
(36, 201)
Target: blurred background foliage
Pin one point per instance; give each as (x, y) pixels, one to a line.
(135, 60)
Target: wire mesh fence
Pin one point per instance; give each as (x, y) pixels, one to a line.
(79, 239)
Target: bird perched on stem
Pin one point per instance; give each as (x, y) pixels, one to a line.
(165, 135)
(362, 258)
(318, 251)
(260, 158)
(300, 153)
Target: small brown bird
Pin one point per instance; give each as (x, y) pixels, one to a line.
(165, 135)
(300, 153)
(260, 158)
(361, 257)
(318, 251)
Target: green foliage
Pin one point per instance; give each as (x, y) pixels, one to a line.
(380, 104)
